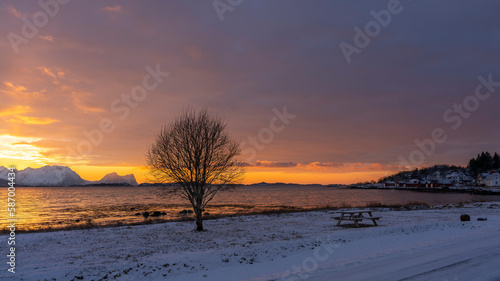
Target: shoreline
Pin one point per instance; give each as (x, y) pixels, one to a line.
(268, 212)
(471, 190)
(123, 213)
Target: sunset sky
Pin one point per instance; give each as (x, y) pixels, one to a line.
(73, 72)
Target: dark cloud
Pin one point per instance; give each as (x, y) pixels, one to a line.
(270, 164)
(264, 55)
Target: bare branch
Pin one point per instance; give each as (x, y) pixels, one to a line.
(196, 153)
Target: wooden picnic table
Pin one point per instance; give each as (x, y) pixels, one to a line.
(356, 216)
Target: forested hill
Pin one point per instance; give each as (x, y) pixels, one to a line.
(483, 163)
(422, 173)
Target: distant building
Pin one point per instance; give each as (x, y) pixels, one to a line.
(492, 179)
(489, 179)
(447, 178)
(457, 177)
(412, 183)
(481, 177)
(429, 183)
(437, 176)
(389, 184)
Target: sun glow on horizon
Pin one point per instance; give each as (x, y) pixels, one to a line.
(22, 148)
(312, 177)
(23, 152)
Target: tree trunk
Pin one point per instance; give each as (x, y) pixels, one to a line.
(199, 220)
(198, 211)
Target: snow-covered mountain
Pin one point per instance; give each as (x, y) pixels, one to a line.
(114, 178)
(60, 176)
(48, 176)
(4, 172)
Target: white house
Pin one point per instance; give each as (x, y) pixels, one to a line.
(456, 176)
(414, 181)
(492, 179)
(437, 176)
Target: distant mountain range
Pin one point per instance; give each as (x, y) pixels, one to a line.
(113, 178)
(64, 176)
(61, 176)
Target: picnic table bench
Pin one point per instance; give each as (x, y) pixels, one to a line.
(356, 216)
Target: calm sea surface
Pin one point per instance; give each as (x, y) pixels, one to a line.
(42, 207)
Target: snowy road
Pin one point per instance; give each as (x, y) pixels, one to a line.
(464, 259)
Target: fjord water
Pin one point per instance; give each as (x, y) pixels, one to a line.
(54, 207)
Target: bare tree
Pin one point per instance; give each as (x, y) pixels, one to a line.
(196, 154)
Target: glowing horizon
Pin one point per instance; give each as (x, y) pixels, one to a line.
(253, 175)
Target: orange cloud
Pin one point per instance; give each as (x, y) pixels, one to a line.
(15, 110)
(47, 38)
(83, 101)
(14, 12)
(194, 52)
(115, 9)
(15, 88)
(319, 167)
(270, 164)
(348, 167)
(20, 91)
(33, 120)
(47, 71)
(322, 165)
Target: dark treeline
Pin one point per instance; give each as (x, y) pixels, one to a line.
(484, 162)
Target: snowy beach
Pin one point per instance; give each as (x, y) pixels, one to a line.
(429, 244)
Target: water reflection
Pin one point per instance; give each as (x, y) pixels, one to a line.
(53, 207)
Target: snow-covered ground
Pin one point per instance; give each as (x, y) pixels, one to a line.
(427, 244)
